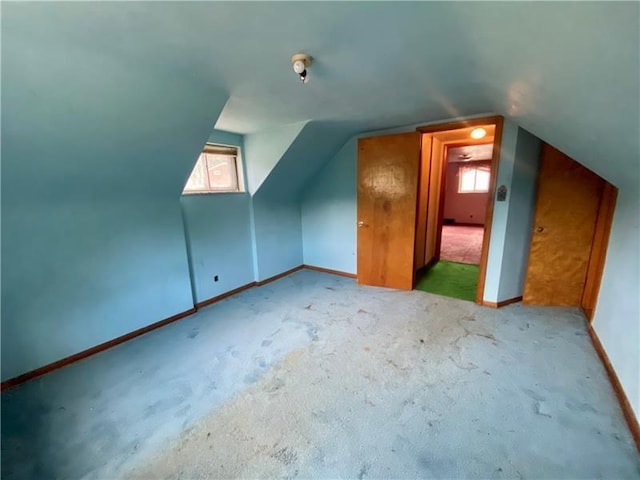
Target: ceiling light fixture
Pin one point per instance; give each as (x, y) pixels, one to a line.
(301, 62)
(478, 133)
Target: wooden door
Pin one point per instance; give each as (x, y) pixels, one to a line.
(565, 219)
(387, 198)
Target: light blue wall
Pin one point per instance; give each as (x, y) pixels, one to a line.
(500, 211)
(79, 273)
(218, 234)
(521, 213)
(221, 137)
(329, 213)
(278, 234)
(94, 157)
(277, 204)
(512, 219)
(220, 242)
(617, 316)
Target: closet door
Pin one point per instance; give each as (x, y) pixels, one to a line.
(565, 221)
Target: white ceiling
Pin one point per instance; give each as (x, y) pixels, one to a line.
(470, 153)
(568, 72)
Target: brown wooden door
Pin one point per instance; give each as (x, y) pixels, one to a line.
(387, 195)
(565, 219)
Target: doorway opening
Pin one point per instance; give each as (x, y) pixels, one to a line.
(400, 192)
(467, 172)
(455, 206)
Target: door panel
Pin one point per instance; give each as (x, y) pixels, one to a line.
(565, 219)
(387, 196)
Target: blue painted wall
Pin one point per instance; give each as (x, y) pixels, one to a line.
(329, 213)
(617, 317)
(218, 234)
(278, 234)
(79, 273)
(220, 242)
(277, 204)
(94, 157)
(522, 200)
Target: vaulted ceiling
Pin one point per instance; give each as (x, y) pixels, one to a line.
(568, 72)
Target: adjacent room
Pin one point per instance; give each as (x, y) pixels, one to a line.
(465, 200)
(454, 211)
(320, 240)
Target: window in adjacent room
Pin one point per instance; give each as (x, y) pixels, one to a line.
(217, 170)
(473, 179)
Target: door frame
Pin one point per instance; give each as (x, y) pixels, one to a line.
(497, 121)
(595, 270)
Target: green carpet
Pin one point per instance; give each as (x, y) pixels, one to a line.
(451, 279)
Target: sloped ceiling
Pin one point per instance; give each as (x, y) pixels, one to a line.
(82, 117)
(314, 145)
(568, 72)
(263, 150)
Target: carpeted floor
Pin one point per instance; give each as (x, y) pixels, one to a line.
(451, 279)
(461, 243)
(315, 376)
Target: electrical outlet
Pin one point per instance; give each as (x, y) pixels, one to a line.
(215, 278)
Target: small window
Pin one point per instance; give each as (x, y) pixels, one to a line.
(216, 171)
(473, 179)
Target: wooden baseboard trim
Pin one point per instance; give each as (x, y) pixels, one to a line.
(279, 276)
(224, 295)
(328, 270)
(463, 224)
(502, 303)
(627, 410)
(38, 372)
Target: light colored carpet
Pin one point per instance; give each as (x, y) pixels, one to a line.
(461, 244)
(313, 376)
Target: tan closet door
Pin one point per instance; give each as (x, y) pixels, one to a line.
(565, 220)
(387, 196)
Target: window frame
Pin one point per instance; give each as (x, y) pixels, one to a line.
(230, 151)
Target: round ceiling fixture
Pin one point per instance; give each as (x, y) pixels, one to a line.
(478, 133)
(300, 63)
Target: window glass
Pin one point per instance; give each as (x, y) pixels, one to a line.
(473, 179)
(215, 171)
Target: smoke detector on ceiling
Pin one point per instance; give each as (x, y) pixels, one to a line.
(301, 62)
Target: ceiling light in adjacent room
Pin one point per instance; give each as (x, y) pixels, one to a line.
(478, 133)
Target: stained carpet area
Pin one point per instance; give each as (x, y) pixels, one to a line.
(451, 279)
(314, 376)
